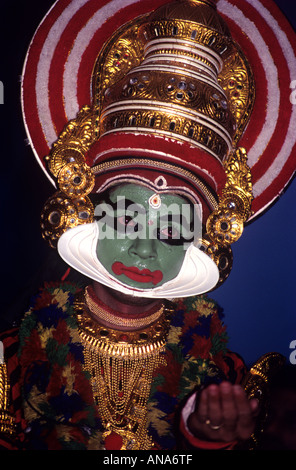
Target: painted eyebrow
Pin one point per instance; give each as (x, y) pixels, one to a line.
(127, 204)
(179, 219)
(172, 218)
(124, 203)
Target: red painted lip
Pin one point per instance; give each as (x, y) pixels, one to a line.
(134, 273)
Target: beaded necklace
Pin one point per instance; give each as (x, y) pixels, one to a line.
(121, 366)
(113, 318)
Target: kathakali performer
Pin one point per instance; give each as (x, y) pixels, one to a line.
(164, 127)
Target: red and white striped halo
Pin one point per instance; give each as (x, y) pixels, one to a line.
(57, 78)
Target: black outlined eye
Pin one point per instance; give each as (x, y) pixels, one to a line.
(125, 223)
(169, 233)
(172, 236)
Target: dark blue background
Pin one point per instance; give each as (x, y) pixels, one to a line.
(258, 297)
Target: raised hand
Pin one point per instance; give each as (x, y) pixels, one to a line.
(223, 413)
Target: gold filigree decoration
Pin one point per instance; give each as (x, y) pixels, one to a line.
(237, 193)
(7, 424)
(183, 96)
(121, 53)
(76, 179)
(125, 50)
(158, 120)
(221, 255)
(188, 30)
(257, 385)
(225, 225)
(121, 366)
(237, 81)
(61, 213)
(70, 205)
(194, 11)
(73, 142)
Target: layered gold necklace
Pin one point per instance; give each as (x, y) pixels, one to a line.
(121, 365)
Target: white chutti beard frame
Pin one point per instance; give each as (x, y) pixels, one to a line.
(198, 274)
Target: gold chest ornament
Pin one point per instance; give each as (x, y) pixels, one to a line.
(121, 365)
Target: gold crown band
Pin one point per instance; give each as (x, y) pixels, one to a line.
(138, 162)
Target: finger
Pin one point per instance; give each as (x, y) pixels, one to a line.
(255, 406)
(197, 419)
(202, 407)
(228, 403)
(243, 404)
(245, 422)
(214, 405)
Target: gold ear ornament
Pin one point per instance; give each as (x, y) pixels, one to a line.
(61, 213)
(70, 205)
(226, 224)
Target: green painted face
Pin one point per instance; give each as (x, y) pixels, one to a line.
(143, 235)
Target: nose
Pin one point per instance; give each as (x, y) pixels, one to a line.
(143, 248)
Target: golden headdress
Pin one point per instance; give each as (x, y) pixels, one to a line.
(171, 97)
